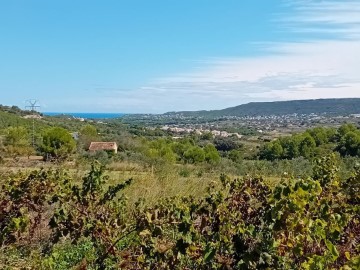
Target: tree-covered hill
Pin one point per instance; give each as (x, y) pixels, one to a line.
(13, 116)
(15, 110)
(343, 106)
(8, 119)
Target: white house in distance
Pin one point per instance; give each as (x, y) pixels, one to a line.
(105, 146)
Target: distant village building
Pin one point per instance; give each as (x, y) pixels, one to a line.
(75, 135)
(103, 146)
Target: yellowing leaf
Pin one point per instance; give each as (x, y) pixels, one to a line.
(145, 233)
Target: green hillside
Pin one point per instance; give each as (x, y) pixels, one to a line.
(12, 120)
(343, 106)
(14, 117)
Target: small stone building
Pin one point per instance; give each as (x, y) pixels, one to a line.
(105, 146)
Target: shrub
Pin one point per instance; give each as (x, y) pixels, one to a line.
(58, 143)
(184, 172)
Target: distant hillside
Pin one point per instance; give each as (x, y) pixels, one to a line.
(16, 110)
(13, 116)
(343, 106)
(10, 119)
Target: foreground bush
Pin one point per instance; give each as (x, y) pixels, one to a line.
(311, 223)
(301, 223)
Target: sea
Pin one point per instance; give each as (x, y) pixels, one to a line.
(87, 115)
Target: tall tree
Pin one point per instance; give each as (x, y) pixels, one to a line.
(349, 144)
(17, 136)
(307, 146)
(17, 142)
(58, 143)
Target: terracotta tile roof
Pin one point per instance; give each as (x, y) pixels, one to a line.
(96, 146)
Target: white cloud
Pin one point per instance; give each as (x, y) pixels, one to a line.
(322, 67)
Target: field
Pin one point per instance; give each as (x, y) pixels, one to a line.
(149, 184)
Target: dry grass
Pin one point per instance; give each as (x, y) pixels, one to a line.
(152, 185)
(149, 184)
(125, 166)
(169, 181)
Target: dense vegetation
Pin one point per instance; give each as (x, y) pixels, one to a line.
(162, 202)
(301, 223)
(14, 110)
(315, 142)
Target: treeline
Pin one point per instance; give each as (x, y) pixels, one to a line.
(184, 150)
(192, 149)
(314, 143)
(51, 142)
(14, 110)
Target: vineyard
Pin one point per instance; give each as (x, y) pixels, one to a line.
(49, 221)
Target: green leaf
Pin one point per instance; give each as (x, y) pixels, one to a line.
(209, 254)
(332, 249)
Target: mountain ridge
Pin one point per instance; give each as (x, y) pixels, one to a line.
(330, 106)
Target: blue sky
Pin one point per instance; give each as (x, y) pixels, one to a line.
(165, 55)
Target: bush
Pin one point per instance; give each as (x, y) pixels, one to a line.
(309, 222)
(58, 143)
(194, 154)
(101, 156)
(303, 223)
(184, 172)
